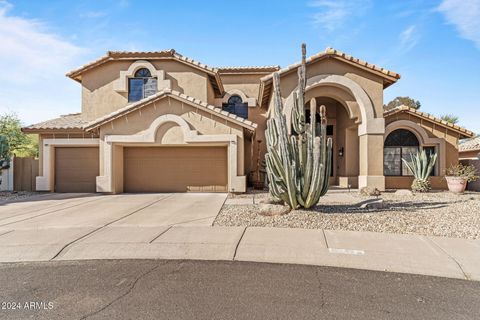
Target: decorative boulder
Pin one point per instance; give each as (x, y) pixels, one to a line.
(372, 204)
(369, 191)
(267, 209)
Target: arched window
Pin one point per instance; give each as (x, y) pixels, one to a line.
(236, 106)
(143, 73)
(142, 85)
(398, 145)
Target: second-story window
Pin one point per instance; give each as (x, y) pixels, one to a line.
(141, 85)
(236, 106)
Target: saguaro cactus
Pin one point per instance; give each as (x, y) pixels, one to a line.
(298, 163)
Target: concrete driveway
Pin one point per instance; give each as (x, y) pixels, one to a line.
(41, 226)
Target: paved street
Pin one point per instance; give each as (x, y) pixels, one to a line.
(175, 289)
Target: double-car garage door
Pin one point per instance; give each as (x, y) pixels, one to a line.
(175, 169)
(146, 169)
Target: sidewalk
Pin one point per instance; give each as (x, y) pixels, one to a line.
(435, 256)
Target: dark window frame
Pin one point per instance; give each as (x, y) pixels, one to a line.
(141, 74)
(236, 106)
(395, 141)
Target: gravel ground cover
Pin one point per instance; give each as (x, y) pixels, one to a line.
(16, 195)
(436, 213)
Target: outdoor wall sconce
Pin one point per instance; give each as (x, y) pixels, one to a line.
(340, 152)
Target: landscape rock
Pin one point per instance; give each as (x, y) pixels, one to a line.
(268, 209)
(369, 191)
(372, 204)
(270, 200)
(404, 193)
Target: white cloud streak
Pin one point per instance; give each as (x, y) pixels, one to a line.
(465, 16)
(409, 38)
(333, 14)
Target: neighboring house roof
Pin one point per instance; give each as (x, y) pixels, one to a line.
(70, 122)
(150, 55)
(248, 69)
(176, 95)
(389, 77)
(472, 144)
(423, 115)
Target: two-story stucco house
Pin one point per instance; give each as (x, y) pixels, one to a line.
(162, 122)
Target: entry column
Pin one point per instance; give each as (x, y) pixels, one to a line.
(371, 161)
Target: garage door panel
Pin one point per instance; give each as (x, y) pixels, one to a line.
(76, 169)
(175, 169)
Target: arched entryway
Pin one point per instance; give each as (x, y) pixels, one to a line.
(343, 131)
(359, 134)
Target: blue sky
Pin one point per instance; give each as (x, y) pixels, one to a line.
(434, 45)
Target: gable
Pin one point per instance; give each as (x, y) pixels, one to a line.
(139, 121)
(435, 125)
(212, 73)
(169, 96)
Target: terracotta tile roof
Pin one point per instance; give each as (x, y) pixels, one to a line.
(131, 55)
(472, 144)
(390, 77)
(176, 95)
(76, 74)
(247, 69)
(330, 52)
(66, 122)
(464, 132)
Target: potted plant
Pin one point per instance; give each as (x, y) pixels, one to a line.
(458, 176)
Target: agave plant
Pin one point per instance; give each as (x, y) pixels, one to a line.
(421, 166)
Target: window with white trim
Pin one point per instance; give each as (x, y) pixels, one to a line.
(141, 85)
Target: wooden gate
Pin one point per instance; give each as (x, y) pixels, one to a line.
(25, 171)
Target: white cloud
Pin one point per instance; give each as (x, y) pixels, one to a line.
(332, 14)
(409, 38)
(465, 16)
(33, 63)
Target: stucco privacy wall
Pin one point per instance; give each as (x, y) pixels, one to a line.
(168, 122)
(99, 95)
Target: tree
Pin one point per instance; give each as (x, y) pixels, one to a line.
(450, 118)
(402, 101)
(21, 144)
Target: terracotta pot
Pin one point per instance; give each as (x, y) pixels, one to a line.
(456, 184)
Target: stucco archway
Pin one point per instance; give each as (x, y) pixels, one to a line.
(370, 124)
(371, 127)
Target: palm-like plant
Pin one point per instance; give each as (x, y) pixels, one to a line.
(421, 166)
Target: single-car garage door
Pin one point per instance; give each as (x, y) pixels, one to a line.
(175, 169)
(76, 169)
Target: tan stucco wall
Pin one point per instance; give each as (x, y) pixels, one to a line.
(438, 183)
(372, 84)
(249, 85)
(100, 98)
(137, 122)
